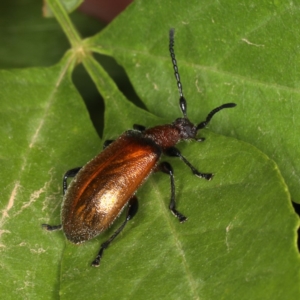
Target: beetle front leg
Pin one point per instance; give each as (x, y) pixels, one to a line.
(166, 168)
(131, 211)
(172, 151)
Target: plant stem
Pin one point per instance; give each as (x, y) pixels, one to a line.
(65, 22)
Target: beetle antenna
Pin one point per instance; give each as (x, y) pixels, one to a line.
(182, 101)
(212, 113)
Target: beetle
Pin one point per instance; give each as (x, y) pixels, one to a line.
(104, 186)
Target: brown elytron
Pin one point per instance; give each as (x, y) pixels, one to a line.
(102, 188)
(106, 184)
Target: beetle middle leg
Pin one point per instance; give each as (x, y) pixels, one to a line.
(68, 174)
(166, 168)
(107, 143)
(131, 211)
(173, 151)
(139, 128)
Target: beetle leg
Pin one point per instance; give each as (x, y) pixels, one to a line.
(172, 151)
(166, 168)
(139, 128)
(51, 227)
(107, 143)
(199, 139)
(131, 211)
(70, 173)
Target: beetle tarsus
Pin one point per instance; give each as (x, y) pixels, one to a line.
(200, 139)
(178, 215)
(96, 262)
(51, 227)
(207, 176)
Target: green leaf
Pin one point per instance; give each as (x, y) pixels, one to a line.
(240, 239)
(226, 249)
(245, 53)
(45, 129)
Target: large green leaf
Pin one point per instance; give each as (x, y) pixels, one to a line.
(45, 130)
(227, 247)
(227, 51)
(238, 224)
(240, 239)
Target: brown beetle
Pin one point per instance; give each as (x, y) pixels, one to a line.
(102, 188)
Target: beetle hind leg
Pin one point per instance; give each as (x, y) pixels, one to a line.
(131, 211)
(68, 174)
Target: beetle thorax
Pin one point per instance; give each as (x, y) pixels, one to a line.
(169, 135)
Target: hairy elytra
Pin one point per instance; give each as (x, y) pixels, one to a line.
(104, 186)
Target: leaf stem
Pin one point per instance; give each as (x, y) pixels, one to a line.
(62, 17)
